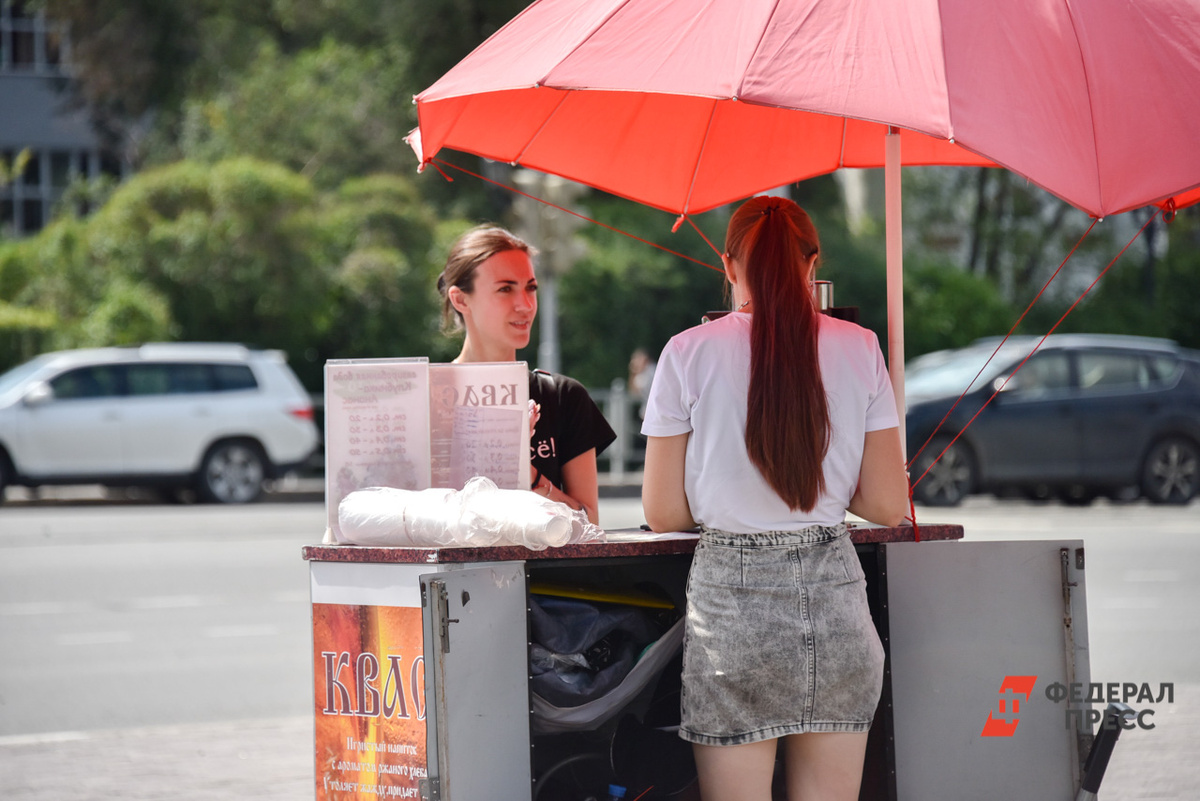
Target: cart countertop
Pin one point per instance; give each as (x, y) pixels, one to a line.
(619, 542)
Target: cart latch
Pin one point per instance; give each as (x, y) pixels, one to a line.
(443, 602)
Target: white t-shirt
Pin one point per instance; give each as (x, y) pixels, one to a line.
(700, 387)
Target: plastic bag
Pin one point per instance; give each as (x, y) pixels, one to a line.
(581, 650)
(480, 515)
(589, 661)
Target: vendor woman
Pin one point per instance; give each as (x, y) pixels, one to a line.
(489, 290)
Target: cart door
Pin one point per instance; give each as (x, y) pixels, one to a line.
(476, 683)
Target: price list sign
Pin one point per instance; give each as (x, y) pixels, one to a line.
(376, 427)
(479, 423)
(487, 442)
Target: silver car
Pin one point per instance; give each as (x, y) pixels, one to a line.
(218, 419)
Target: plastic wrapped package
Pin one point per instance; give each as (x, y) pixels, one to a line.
(513, 516)
(480, 515)
(389, 516)
(551, 718)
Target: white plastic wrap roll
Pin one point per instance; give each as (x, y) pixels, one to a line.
(479, 516)
(388, 516)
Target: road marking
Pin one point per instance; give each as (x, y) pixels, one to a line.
(41, 608)
(46, 737)
(94, 638)
(147, 603)
(172, 602)
(218, 632)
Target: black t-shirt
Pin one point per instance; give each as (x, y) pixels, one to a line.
(570, 424)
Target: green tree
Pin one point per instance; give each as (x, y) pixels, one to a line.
(1147, 296)
(239, 250)
(626, 294)
(329, 112)
(945, 307)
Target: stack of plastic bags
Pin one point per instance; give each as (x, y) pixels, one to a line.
(480, 515)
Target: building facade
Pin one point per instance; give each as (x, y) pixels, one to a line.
(38, 118)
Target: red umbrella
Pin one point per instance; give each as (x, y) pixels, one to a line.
(687, 105)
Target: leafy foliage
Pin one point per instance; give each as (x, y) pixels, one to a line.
(243, 251)
(327, 112)
(277, 205)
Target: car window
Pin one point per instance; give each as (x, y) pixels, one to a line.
(231, 377)
(100, 381)
(1043, 374)
(1164, 369)
(19, 374)
(950, 373)
(147, 379)
(179, 378)
(188, 378)
(1110, 370)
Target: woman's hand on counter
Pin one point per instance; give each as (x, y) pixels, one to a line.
(581, 485)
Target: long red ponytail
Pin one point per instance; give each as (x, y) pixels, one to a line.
(787, 423)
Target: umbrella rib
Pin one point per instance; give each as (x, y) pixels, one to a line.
(842, 149)
(529, 142)
(699, 158)
(612, 13)
(1087, 79)
(757, 46)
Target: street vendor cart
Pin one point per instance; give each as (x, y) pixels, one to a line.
(421, 667)
(686, 108)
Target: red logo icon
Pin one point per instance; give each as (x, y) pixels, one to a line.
(1003, 723)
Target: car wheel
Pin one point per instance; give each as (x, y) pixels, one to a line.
(1171, 473)
(950, 479)
(232, 472)
(5, 476)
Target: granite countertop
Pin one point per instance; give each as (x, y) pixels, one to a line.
(620, 542)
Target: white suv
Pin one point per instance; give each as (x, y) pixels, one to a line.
(217, 418)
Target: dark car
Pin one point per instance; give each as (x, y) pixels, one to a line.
(1086, 415)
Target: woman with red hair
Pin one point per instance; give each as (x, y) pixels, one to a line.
(764, 427)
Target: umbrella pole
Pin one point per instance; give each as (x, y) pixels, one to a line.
(895, 272)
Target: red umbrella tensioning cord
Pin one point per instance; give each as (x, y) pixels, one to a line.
(912, 484)
(435, 162)
(912, 460)
(1000, 389)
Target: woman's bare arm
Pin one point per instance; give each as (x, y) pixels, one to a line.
(664, 499)
(581, 485)
(882, 494)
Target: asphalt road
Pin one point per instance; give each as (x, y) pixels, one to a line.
(150, 633)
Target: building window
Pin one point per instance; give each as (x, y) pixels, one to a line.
(28, 41)
(28, 199)
(34, 47)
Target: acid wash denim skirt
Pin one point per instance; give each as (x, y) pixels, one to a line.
(778, 639)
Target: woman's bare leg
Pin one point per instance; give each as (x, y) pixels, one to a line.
(736, 772)
(824, 766)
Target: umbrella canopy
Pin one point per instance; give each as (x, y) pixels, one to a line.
(686, 105)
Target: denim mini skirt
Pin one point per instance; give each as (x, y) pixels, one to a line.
(778, 639)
